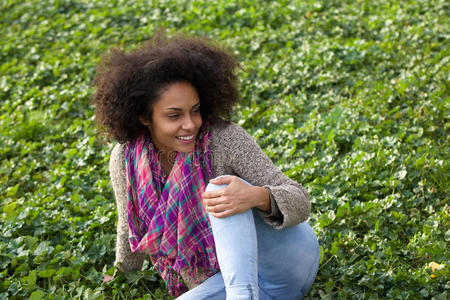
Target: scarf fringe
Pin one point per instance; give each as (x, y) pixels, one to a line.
(198, 270)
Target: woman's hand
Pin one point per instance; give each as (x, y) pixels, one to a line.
(236, 198)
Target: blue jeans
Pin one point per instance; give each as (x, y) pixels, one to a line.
(257, 261)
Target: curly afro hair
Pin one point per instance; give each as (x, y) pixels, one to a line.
(127, 84)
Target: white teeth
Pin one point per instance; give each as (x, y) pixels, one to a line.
(185, 138)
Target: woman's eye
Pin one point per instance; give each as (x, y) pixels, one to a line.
(173, 116)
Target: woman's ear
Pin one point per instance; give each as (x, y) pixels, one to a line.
(143, 120)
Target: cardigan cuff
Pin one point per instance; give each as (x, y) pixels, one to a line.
(275, 216)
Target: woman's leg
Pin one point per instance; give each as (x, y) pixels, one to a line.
(212, 288)
(288, 260)
(236, 244)
(235, 239)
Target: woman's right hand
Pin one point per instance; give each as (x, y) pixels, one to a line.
(237, 197)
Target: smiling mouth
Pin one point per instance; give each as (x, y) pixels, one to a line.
(186, 138)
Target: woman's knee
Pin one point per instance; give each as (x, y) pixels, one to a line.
(291, 275)
(300, 249)
(309, 258)
(214, 187)
(308, 244)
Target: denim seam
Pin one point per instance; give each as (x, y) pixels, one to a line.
(249, 287)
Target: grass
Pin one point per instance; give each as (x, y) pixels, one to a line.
(349, 98)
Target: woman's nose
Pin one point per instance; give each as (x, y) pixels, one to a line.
(188, 123)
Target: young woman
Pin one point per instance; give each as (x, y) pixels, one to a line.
(194, 191)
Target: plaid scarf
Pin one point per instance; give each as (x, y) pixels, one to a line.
(166, 219)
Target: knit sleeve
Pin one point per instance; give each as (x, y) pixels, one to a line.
(250, 163)
(125, 259)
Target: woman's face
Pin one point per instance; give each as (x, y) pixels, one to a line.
(176, 119)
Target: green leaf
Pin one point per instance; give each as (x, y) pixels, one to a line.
(46, 273)
(37, 295)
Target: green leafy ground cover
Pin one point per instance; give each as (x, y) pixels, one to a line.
(349, 98)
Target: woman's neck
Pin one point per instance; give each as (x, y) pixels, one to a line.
(166, 164)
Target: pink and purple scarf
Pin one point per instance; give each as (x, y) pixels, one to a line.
(166, 218)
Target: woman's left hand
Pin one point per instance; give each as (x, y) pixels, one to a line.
(235, 198)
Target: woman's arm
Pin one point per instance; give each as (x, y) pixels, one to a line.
(239, 152)
(236, 198)
(125, 259)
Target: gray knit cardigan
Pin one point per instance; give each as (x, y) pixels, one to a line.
(233, 152)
